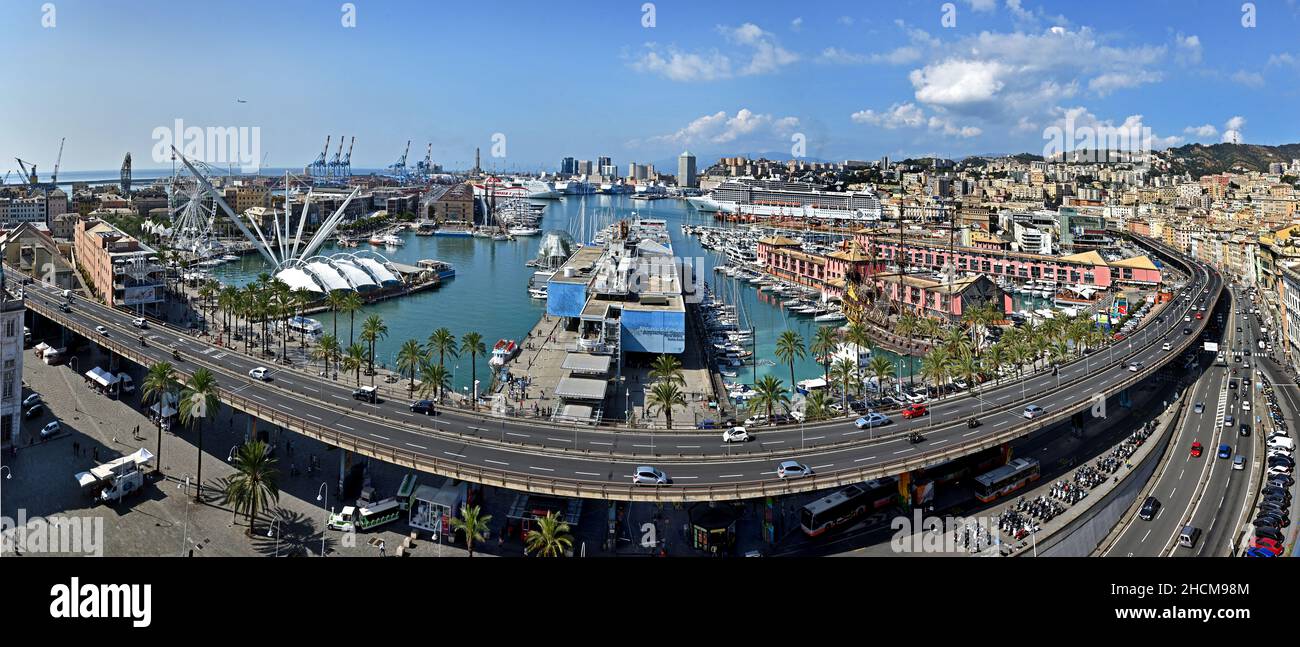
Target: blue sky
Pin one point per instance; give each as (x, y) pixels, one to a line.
(856, 79)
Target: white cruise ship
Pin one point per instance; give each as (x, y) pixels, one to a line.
(788, 199)
(506, 188)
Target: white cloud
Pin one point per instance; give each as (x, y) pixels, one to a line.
(756, 52)
(983, 5)
(1248, 79)
(899, 115)
(955, 82)
(1189, 48)
(847, 21)
(797, 23)
(946, 126)
(1206, 131)
(1080, 129)
(1285, 58)
(768, 56)
(677, 65)
(1232, 130)
(1109, 82)
(721, 128)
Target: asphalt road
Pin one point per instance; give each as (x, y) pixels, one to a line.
(609, 456)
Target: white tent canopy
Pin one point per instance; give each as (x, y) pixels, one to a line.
(101, 377)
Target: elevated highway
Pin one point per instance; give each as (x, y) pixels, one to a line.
(598, 462)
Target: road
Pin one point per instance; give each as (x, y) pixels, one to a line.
(536, 456)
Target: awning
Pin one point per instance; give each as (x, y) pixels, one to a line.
(579, 388)
(167, 410)
(101, 377)
(584, 363)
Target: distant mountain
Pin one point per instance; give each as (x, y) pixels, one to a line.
(1199, 159)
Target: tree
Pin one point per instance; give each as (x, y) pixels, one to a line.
(823, 347)
(934, 366)
(817, 406)
(844, 372)
(966, 367)
(550, 538)
(473, 523)
(254, 484)
(789, 347)
(906, 325)
(664, 396)
(472, 343)
(158, 382)
(667, 368)
(410, 357)
(353, 359)
(351, 304)
(302, 297)
(434, 378)
(335, 301)
(442, 342)
(857, 335)
(327, 349)
(199, 401)
(769, 392)
(373, 329)
(880, 367)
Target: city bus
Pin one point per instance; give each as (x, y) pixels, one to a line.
(352, 518)
(844, 506)
(1006, 479)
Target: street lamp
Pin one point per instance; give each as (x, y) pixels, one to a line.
(8, 476)
(275, 527)
(185, 533)
(321, 495)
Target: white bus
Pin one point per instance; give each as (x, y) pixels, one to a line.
(353, 518)
(1006, 479)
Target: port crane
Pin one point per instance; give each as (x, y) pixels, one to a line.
(346, 168)
(332, 169)
(317, 168)
(399, 168)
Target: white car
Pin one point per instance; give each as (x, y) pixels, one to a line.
(260, 373)
(1167, 346)
(50, 429)
(736, 435)
(140, 322)
(101, 330)
(646, 475)
(1245, 405)
(754, 421)
(1033, 411)
(1135, 367)
(792, 469)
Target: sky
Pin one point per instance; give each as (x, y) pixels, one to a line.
(531, 82)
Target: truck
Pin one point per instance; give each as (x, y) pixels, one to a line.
(117, 478)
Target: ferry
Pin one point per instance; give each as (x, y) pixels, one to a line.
(524, 231)
(787, 199)
(393, 241)
(516, 188)
(443, 269)
(504, 351)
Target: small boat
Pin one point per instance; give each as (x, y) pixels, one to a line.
(830, 317)
(524, 231)
(504, 351)
(229, 258)
(393, 241)
(537, 293)
(500, 237)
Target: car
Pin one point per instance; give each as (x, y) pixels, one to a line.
(1225, 451)
(1150, 508)
(1274, 489)
(646, 475)
(1187, 331)
(792, 469)
(706, 424)
(422, 406)
(50, 429)
(1197, 449)
(1281, 481)
(35, 411)
(140, 322)
(915, 411)
(1167, 346)
(1187, 319)
(1258, 552)
(1239, 462)
(65, 308)
(1267, 544)
(1275, 459)
(101, 330)
(915, 397)
(1228, 420)
(1245, 405)
(870, 420)
(1269, 533)
(1232, 384)
(1135, 366)
(1199, 408)
(31, 399)
(1200, 316)
(260, 373)
(756, 420)
(1279, 469)
(736, 435)
(1033, 411)
(366, 394)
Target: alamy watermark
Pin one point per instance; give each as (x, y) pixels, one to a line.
(666, 275)
(947, 534)
(55, 534)
(1098, 144)
(215, 145)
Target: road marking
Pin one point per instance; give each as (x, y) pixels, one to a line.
(347, 427)
(454, 454)
(860, 431)
(730, 476)
(969, 433)
(600, 442)
(479, 429)
(903, 451)
(773, 442)
(939, 442)
(511, 433)
(559, 440)
(685, 477)
(1143, 540)
(688, 447)
(587, 473)
(817, 467)
(488, 460)
(417, 446)
(383, 437)
(814, 438)
(859, 460)
(313, 417)
(650, 446)
(254, 395)
(540, 469)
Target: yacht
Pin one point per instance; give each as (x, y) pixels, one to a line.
(504, 351)
(393, 241)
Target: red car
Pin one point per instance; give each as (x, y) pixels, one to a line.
(1198, 316)
(914, 411)
(1197, 449)
(1270, 545)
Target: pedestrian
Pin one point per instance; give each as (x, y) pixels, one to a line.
(382, 548)
(95, 454)
(76, 448)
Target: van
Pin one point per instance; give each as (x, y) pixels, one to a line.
(1189, 536)
(366, 394)
(1281, 442)
(67, 294)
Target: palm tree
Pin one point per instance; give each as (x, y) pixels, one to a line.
(253, 486)
(433, 378)
(159, 381)
(227, 301)
(880, 367)
(995, 358)
(844, 372)
(966, 367)
(473, 523)
(353, 359)
(199, 400)
(929, 328)
(327, 349)
(934, 366)
(857, 335)
(206, 292)
(816, 406)
(667, 368)
(409, 359)
(472, 343)
(769, 392)
(351, 304)
(789, 347)
(335, 301)
(823, 346)
(906, 325)
(664, 396)
(373, 329)
(442, 342)
(302, 298)
(550, 538)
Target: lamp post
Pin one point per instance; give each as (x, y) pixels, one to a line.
(184, 485)
(275, 527)
(322, 494)
(8, 475)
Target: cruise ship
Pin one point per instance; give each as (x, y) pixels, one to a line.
(505, 188)
(788, 199)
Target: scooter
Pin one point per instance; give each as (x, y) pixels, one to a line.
(915, 438)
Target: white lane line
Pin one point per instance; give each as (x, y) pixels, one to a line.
(730, 476)
(860, 431)
(254, 395)
(903, 451)
(454, 454)
(416, 446)
(479, 429)
(559, 440)
(587, 473)
(600, 442)
(641, 445)
(383, 437)
(346, 427)
(969, 433)
(488, 460)
(312, 417)
(817, 467)
(859, 460)
(685, 477)
(814, 438)
(939, 442)
(773, 442)
(688, 447)
(540, 469)
(511, 433)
